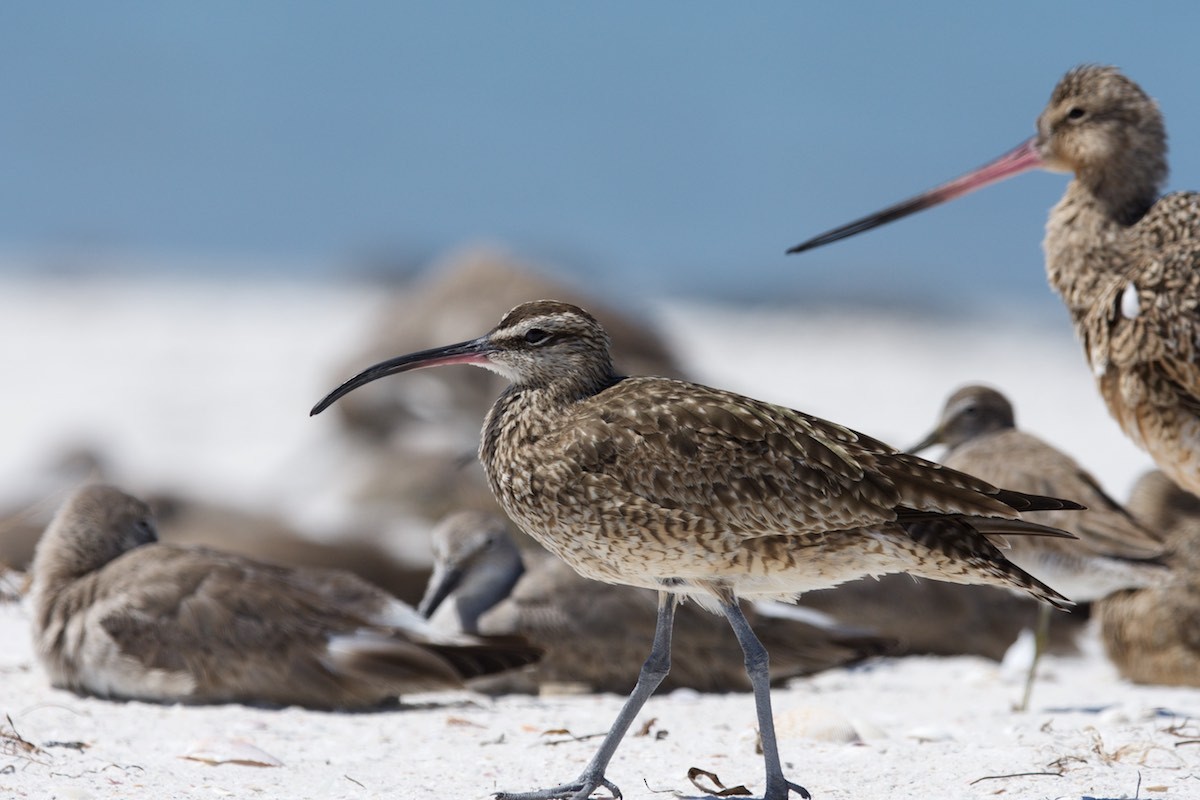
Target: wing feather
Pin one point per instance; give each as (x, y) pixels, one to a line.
(685, 454)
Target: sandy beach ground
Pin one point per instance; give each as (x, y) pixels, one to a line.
(206, 388)
(914, 727)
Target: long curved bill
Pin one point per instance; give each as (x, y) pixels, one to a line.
(1021, 159)
(475, 351)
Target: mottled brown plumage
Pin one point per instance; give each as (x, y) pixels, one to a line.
(1152, 634)
(483, 585)
(1128, 267)
(646, 480)
(1161, 505)
(1125, 262)
(695, 491)
(655, 482)
(118, 614)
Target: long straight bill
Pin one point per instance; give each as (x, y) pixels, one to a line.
(475, 351)
(442, 582)
(1021, 159)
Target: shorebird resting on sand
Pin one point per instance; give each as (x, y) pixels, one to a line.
(118, 614)
(1125, 261)
(1113, 551)
(1153, 634)
(705, 494)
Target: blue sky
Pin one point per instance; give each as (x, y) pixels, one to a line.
(649, 146)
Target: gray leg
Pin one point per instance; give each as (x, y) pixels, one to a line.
(1041, 639)
(657, 665)
(778, 787)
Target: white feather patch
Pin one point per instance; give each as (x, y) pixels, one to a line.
(1130, 306)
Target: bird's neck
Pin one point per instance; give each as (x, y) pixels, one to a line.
(56, 598)
(484, 587)
(519, 419)
(63, 558)
(968, 440)
(1087, 243)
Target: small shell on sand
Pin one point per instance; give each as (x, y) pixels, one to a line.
(230, 751)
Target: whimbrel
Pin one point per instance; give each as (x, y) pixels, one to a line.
(701, 493)
(1123, 260)
(482, 584)
(1113, 551)
(118, 614)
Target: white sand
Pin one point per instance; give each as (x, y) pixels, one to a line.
(922, 728)
(207, 387)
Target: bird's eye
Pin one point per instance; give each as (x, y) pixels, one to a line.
(536, 336)
(1076, 113)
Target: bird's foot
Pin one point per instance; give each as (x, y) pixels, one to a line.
(580, 789)
(797, 788)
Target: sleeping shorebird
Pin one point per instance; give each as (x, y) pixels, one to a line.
(118, 614)
(1125, 261)
(482, 584)
(1159, 504)
(1113, 551)
(700, 493)
(1153, 634)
